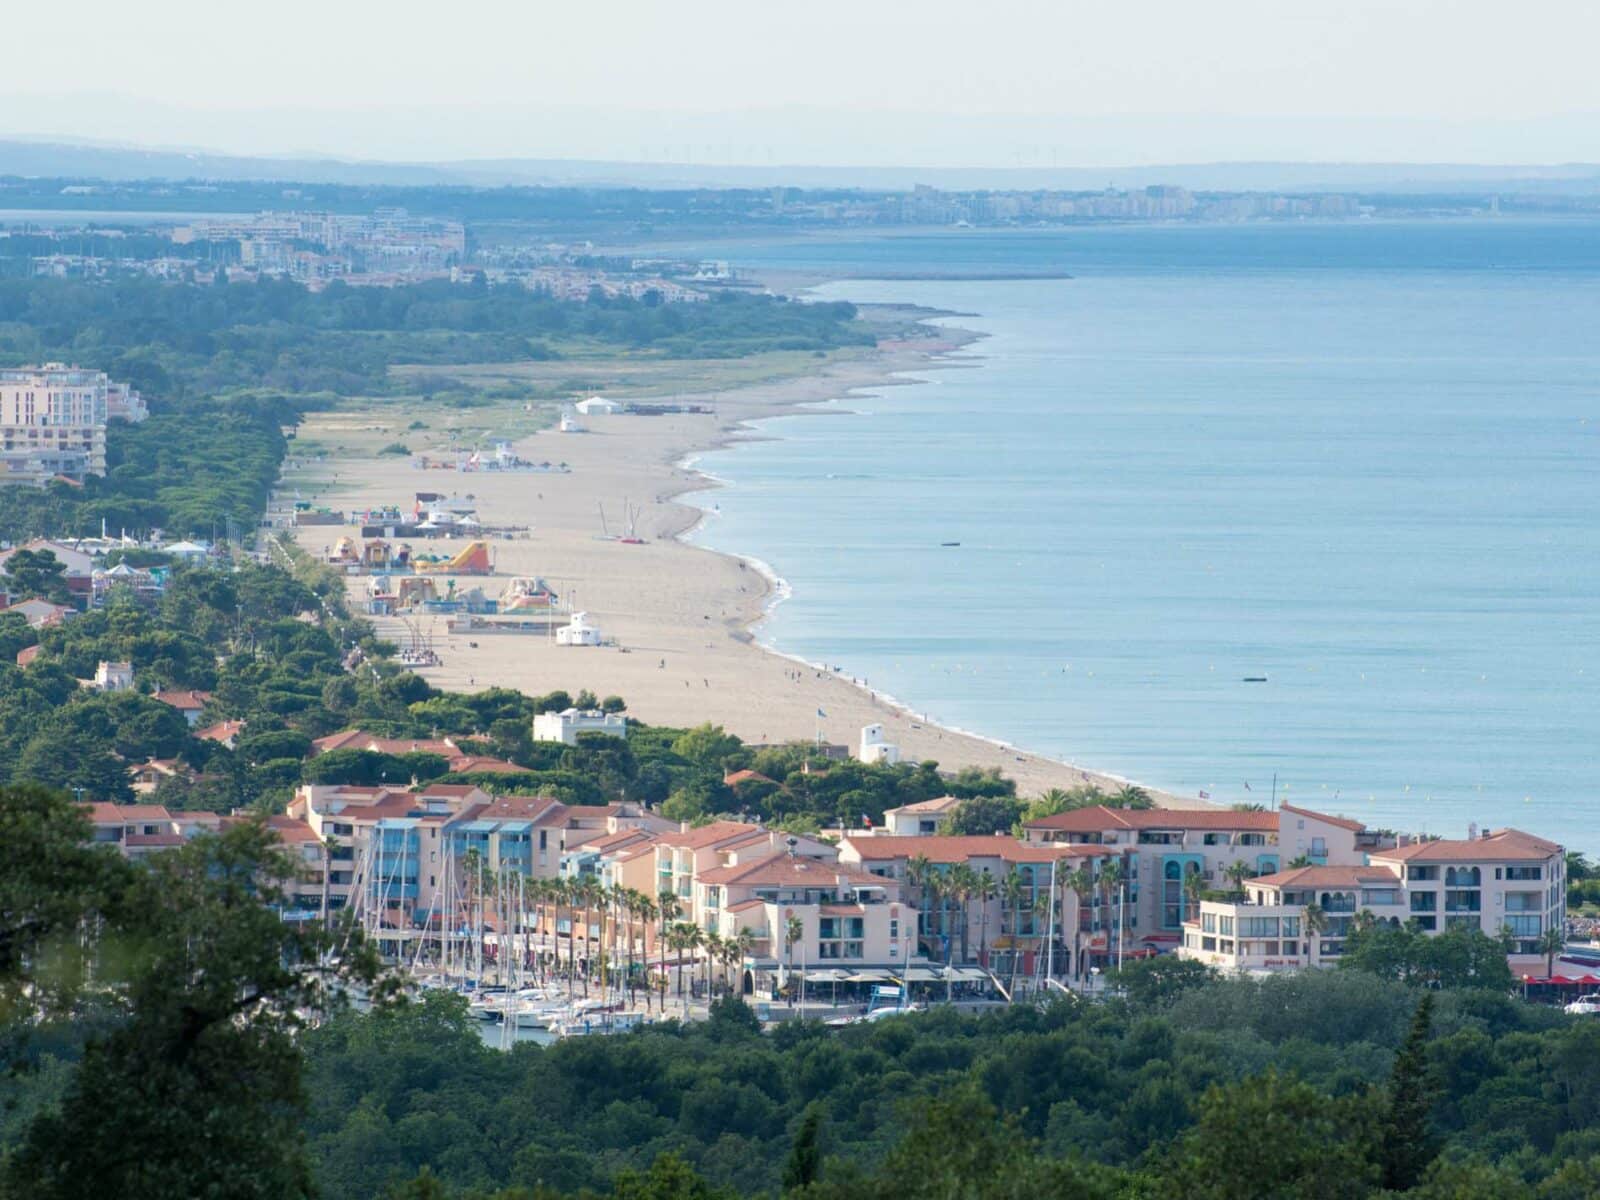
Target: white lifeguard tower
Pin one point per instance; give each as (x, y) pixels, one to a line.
(570, 422)
(874, 749)
(579, 632)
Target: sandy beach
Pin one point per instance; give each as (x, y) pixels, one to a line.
(685, 620)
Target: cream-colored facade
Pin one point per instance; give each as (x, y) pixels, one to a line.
(53, 422)
(1504, 883)
(1167, 846)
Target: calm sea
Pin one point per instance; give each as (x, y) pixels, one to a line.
(1359, 461)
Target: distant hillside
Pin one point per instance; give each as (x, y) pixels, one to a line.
(118, 163)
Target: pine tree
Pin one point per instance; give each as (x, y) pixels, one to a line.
(1409, 1145)
(805, 1156)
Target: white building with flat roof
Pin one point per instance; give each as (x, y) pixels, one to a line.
(53, 422)
(875, 748)
(565, 726)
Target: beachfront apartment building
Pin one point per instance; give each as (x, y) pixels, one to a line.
(404, 852)
(140, 829)
(1168, 845)
(817, 916)
(53, 421)
(1504, 882)
(1008, 930)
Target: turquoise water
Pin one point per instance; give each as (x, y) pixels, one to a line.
(1357, 460)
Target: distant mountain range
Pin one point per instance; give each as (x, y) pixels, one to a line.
(85, 161)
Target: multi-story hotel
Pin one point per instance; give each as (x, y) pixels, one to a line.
(1168, 845)
(53, 421)
(1503, 883)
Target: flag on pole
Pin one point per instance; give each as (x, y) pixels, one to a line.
(820, 713)
(1204, 795)
(1247, 785)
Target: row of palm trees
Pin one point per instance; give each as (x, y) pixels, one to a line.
(608, 928)
(943, 889)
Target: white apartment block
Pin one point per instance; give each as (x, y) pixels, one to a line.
(1506, 882)
(565, 726)
(53, 421)
(1169, 845)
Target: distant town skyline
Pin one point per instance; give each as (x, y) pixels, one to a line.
(1018, 83)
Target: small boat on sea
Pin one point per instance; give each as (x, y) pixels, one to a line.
(1255, 679)
(949, 543)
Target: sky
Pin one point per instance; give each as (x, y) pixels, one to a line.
(849, 82)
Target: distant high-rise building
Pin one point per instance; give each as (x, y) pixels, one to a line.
(53, 421)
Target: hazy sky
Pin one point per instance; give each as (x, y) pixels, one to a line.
(843, 81)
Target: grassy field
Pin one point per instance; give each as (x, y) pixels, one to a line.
(446, 407)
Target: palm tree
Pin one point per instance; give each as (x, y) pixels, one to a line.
(985, 890)
(919, 871)
(1237, 872)
(1315, 921)
(329, 845)
(1131, 796)
(1112, 876)
(793, 930)
(678, 935)
(1551, 943)
(713, 945)
(1014, 889)
(1194, 886)
(1081, 881)
(740, 949)
(963, 886)
(733, 951)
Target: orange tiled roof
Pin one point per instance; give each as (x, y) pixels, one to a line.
(959, 848)
(1099, 817)
(103, 812)
(713, 834)
(1326, 877)
(782, 870)
(1503, 845)
(1340, 822)
(185, 700)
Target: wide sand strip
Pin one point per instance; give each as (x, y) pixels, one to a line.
(681, 616)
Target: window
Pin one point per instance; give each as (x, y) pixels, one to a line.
(1464, 877)
(1422, 873)
(1291, 926)
(1380, 895)
(1430, 924)
(1319, 847)
(1523, 926)
(1534, 872)
(1424, 902)
(1227, 926)
(1208, 943)
(1258, 927)
(1208, 922)
(1463, 902)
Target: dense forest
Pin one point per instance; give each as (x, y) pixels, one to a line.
(240, 636)
(226, 367)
